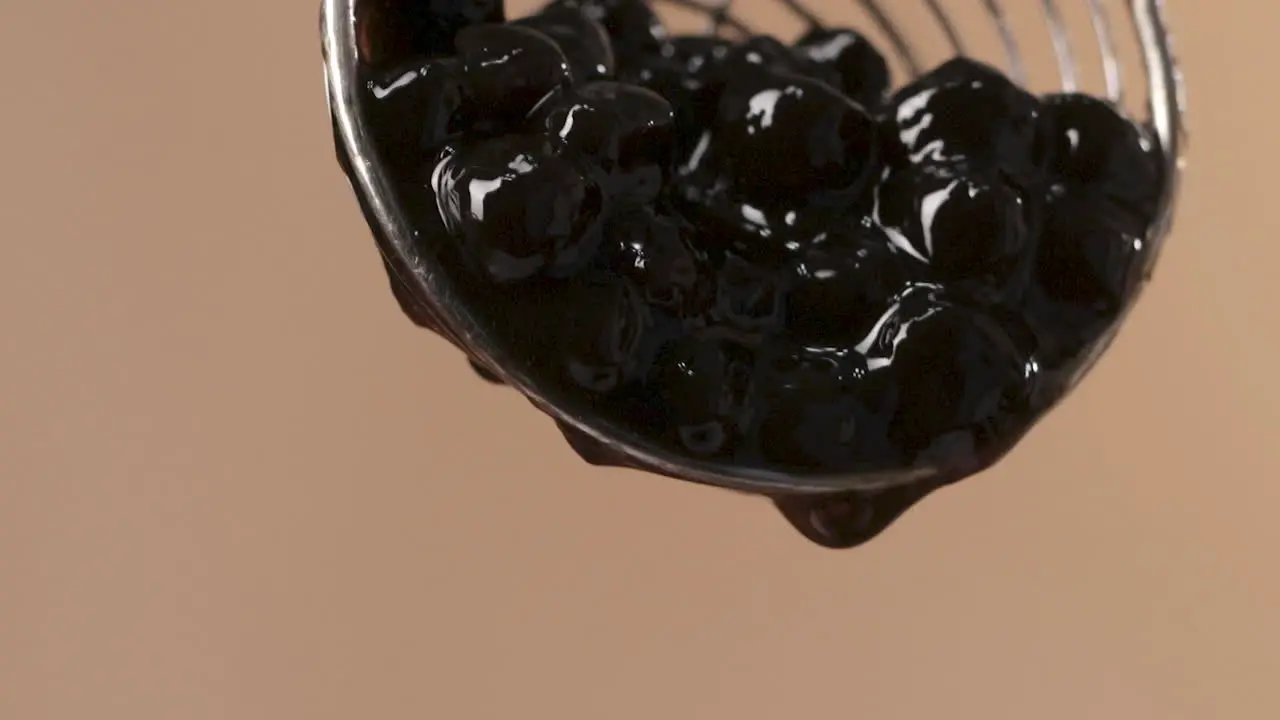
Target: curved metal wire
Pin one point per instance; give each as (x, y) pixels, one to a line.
(1107, 48)
(1061, 46)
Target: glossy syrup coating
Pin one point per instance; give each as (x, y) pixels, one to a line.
(680, 66)
(785, 158)
(759, 52)
(1088, 266)
(961, 385)
(858, 68)
(686, 71)
(962, 226)
(1095, 150)
(509, 69)
(628, 131)
(658, 253)
(633, 27)
(603, 335)
(1091, 253)
(844, 520)
(727, 221)
(584, 42)
(693, 71)
(934, 384)
(842, 279)
(704, 385)
(521, 208)
(784, 135)
(968, 115)
(818, 408)
(1104, 180)
(689, 63)
(750, 300)
(391, 32)
(416, 109)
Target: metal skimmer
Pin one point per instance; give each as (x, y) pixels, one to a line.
(834, 511)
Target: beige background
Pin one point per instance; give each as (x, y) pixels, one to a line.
(236, 483)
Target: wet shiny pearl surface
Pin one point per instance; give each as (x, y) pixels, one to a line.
(395, 31)
(1088, 266)
(858, 69)
(841, 279)
(814, 411)
(416, 109)
(584, 42)
(603, 336)
(633, 27)
(1097, 151)
(786, 135)
(627, 130)
(704, 385)
(509, 69)
(657, 253)
(961, 382)
(521, 208)
(969, 115)
(750, 299)
(962, 227)
(680, 67)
